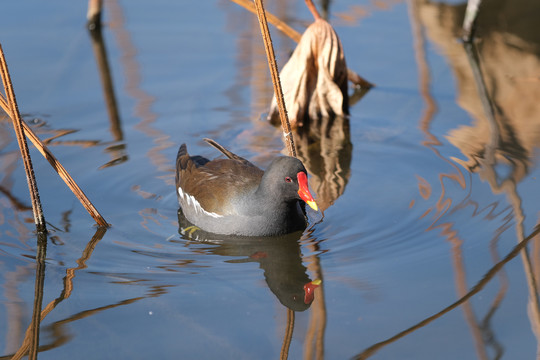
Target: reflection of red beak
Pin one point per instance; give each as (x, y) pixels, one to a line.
(309, 290)
(303, 190)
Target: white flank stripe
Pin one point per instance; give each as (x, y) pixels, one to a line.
(191, 201)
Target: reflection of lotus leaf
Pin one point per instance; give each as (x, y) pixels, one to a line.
(279, 257)
(510, 64)
(325, 148)
(314, 80)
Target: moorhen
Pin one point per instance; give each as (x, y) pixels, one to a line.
(234, 197)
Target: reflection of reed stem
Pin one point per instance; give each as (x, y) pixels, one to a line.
(508, 185)
(427, 118)
(532, 284)
(461, 284)
(486, 322)
(469, 23)
(476, 289)
(423, 68)
(13, 111)
(314, 344)
(133, 86)
(100, 52)
(38, 295)
(430, 104)
(66, 292)
(285, 125)
(288, 335)
(317, 318)
(487, 104)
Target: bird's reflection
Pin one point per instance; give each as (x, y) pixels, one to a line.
(279, 257)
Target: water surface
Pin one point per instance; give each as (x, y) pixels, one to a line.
(421, 207)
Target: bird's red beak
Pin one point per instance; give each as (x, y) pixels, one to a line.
(303, 190)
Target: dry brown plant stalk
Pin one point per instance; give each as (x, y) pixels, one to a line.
(286, 126)
(313, 9)
(13, 111)
(14, 114)
(296, 36)
(93, 15)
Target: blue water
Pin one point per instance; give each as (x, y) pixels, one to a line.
(407, 229)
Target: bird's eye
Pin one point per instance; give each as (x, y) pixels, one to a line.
(288, 179)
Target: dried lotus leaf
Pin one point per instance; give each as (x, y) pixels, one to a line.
(314, 80)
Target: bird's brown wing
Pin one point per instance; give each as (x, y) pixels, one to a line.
(216, 184)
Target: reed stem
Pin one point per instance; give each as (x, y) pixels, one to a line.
(38, 296)
(13, 112)
(469, 23)
(313, 9)
(57, 166)
(285, 124)
(93, 15)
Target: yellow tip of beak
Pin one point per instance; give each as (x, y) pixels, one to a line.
(317, 282)
(313, 205)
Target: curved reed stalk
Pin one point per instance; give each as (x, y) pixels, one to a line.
(494, 270)
(21, 128)
(13, 111)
